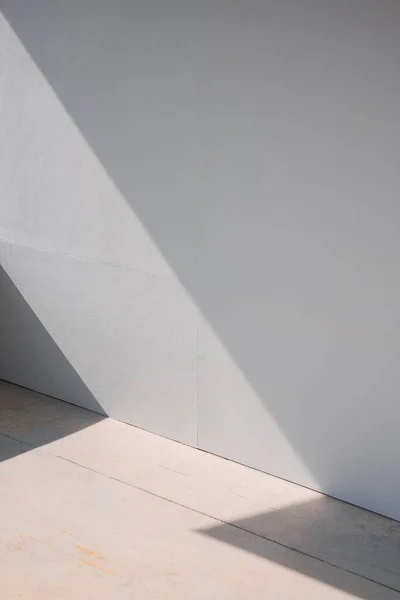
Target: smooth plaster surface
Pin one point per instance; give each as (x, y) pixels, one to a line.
(199, 205)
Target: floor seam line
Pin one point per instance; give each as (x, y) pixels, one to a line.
(218, 520)
(204, 514)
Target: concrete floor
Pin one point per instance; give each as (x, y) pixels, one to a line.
(95, 509)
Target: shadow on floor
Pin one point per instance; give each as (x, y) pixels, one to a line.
(29, 420)
(341, 539)
(31, 357)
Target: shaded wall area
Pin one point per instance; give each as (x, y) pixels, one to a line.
(30, 357)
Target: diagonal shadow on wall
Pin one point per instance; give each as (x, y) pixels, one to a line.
(27, 419)
(85, 51)
(144, 123)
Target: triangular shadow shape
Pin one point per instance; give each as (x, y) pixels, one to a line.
(327, 540)
(31, 358)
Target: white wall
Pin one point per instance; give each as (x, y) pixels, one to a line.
(199, 219)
